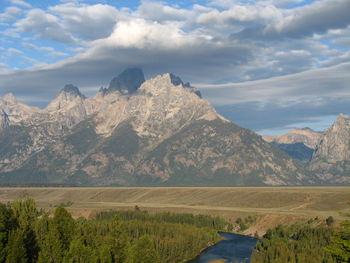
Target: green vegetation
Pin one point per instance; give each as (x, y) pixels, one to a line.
(245, 223)
(65, 204)
(28, 236)
(304, 244)
(340, 245)
(216, 223)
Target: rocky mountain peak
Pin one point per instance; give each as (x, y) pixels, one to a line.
(73, 90)
(335, 144)
(175, 79)
(166, 82)
(341, 120)
(128, 81)
(10, 98)
(4, 120)
(332, 155)
(68, 97)
(169, 79)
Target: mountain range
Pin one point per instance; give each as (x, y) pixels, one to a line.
(298, 143)
(137, 132)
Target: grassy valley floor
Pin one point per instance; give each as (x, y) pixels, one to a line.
(271, 205)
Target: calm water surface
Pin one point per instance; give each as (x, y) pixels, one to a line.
(235, 248)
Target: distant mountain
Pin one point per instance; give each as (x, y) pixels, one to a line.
(307, 136)
(298, 143)
(331, 160)
(135, 132)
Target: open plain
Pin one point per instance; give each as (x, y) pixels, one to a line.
(272, 205)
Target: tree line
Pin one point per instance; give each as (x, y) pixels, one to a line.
(28, 235)
(304, 243)
(216, 223)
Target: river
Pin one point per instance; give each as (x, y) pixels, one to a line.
(234, 248)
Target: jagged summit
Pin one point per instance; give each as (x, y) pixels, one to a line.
(69, 97)
(340, 119)
(128, 81)
(332, 155)
(175, 80)
(71, 89)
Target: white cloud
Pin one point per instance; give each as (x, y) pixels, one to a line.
(43, 25)
(339, 37)
(164, 13)
(10, 13)
(337, 60)
(14, 51)
(11, 33)
(51, 51)
(57, 54)
(87, 21)
(143, 34)
(331, 82)
(21, 3)
(241, 13)
(315, 18)
(35, 47)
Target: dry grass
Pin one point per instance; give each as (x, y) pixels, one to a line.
(273, 204)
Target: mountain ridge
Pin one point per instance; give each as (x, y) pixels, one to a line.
(162, 133)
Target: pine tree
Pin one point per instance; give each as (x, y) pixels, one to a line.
(26, 213)
(105, 255)
(42, 228)
(7, 223)
(143, 251)
(65, 226)
(51, 248)
(79, 253)
(119, 240)
(15, 249)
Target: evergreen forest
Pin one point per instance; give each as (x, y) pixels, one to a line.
(29, 235)
(304, 243)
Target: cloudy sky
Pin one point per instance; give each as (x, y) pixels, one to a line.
(268, 65)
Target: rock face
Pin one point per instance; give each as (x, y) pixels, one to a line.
(307, 136)
(136, 132)
(331, 160)
(19, 113)
(4, 121)
(68, 108)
